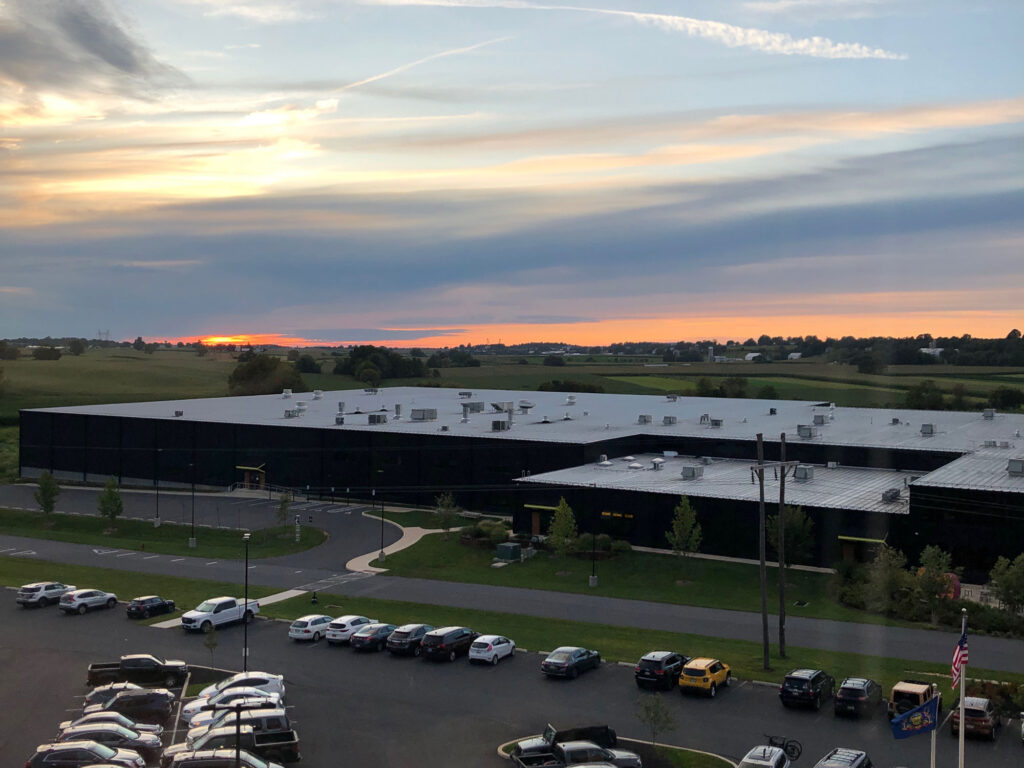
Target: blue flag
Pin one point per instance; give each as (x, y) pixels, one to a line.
(918, 720)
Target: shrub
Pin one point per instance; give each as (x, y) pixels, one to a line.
(499, 534)
(584, 542)
(604, 542)
(619, 546)
(472, 531)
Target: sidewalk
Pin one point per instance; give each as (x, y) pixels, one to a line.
(409, 537)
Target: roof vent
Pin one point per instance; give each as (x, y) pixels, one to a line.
(806, 431)
(567, 417)
(602, 458)
(358, 410)
(988, 413)
(570, 399)
(604, 464)
(636, 465)
(500, 425)
(1004, 443)
(895, 420)
(179, 413)
(301, 405)
(1015, 467)
(832, 464)
(628, 458)
(692, 473)
(444, 427)
(705, 418)
(377, 418)
(285, 394)
(668, 421)
(891, 494)
(423, 414)
(398, 410)
(545, 420)
(717, 423)
(927, 430)
(656, 463)
(773, 411)
(643, 418)
(291, 413)
(502, 407)
(318, 394)
(705, 460)
(370, 390)
(465, 394)
(339, 420)
(803, 473)
(672, 398)
(341, 406)
(819, 419)
(990, 444)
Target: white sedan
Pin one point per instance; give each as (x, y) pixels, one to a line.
(491, 648)
(343, 627)
(264, 681)
(81, 600)
(311, 627)
(206, 717)
(225, 698)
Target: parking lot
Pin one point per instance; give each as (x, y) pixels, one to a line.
(374, 709)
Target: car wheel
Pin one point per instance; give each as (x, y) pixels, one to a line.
(451, 655)
(417, 651)
(111, 602)
(574, 673)
(248, 617)
(817, 701)
(82, 609)
(494, 660)
(206, 627)
(380, 646)
(713, 690)
(43, 602)
(316, 637)
(728, 679)
(512, 653)
(145, 614)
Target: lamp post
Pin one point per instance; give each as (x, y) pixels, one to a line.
(245, 621)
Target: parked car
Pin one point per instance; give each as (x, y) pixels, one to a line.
(218, 611)
(139, 668)
(311, 627)
(75, 754)
(806, 687)
(858, 696)
(371, 637)
(82, 600)
(260, 720)
(406, 639)
(704, 675)
(225, 698)
(101, 694)
(147, 705)
(207, 717)
(148, 605)
(112, 717)
(219, 758)
(660, 669)
(282, 746)
(41, 593)
(765, 757)
(448, 642)
(117, 737)
(980, 718)
(261, 680)
(341, 629)
(601, 735)
(491, 649)
(579, 753)
(569, 661)
(845, 758)
(911, 694)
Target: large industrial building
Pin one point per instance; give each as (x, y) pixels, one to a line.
(910, 478)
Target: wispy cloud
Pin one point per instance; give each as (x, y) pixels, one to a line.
(162, 265)
(418, 62)
(15, 290)
(259, 11)
(727, 34)
(805, 10)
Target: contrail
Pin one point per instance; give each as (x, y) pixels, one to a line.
(727, 34)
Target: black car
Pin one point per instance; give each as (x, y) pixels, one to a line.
(448, 642)
(858, 696)
(372, 637)
(74, 754)
(406, 639)
(117, 737)
(569, 661)
(807, 687)
(149, 605)
(101, 694)
(659, 669)
(149, 705)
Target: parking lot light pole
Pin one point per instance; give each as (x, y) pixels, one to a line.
(245, 609)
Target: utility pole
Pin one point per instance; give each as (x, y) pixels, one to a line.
(783, 469)
(761, 547)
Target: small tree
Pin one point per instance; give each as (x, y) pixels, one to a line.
(447, 512)
(799, 533)
(685, 535)
(46, 495)
(652, 711)
(110, 504)
(76, 347)
(1007, 580)
(886, 580)
(211, 642)
(931, 582)
(138, 345)
(562, 532)
(282, 509)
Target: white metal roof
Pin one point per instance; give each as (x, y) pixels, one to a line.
(982, 470)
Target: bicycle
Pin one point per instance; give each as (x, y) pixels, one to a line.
(791, 747)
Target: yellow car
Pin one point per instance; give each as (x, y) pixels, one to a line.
(705, 675)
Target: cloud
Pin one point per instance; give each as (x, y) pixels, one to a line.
(338, 335)
(162, 265)
(727, 34)
(16, 290)
(259, 11)
(810, 10)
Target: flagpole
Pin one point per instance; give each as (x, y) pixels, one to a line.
(934, 731)
(963, 688)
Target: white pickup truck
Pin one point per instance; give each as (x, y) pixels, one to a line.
(218, 611)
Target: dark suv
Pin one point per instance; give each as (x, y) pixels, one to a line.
(660, 669)
(148, 705)
(448, 642)
(858, 696)
(407, 638)
(73, 754)
(809, 687)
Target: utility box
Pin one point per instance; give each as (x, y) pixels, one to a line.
(509, 551)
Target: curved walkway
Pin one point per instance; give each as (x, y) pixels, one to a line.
(409, 537)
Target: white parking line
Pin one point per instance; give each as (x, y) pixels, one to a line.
(178, 560)
(150, 557)
(8, 549)
(126, 554)
(251, 567)
(25, 552)
(212, 562)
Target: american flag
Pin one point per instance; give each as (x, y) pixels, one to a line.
(959, 658)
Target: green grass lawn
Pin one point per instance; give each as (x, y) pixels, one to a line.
(632, 575)
(168, 539)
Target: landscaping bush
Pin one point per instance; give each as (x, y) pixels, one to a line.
(604, 542)
(499, 534)
(620, 546)
(585, 542)
(471, 531)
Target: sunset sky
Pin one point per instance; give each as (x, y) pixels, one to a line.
(434, 172)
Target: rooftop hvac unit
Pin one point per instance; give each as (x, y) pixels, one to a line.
(803, 473)
(668, 421)
(318, 394)
(602, 458)
(643, 418)
(444, 427)
(291, 413)
(705, 460)
(179, 413)
(988, 413)
(716, 423)
(301, 405)
(705, 418)
(832, 464)
(398, 410)
(499, 425)
(465, 394)
(1015, 467)
(927, 430)
(895, 420)
(341, 406)
(370, 390)
(672, 398)
(423, 414)
(692, 473)
(339, 420)
(656, 463)
(1004, 443)
(670, 454)
(990, 444)
(772, 411)
(806, 431)
(377, 418)
(475, 407)
(285, 394)
(819, 419)
(891, 494)
(570, 399)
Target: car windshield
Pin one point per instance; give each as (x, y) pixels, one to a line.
(971, 712)
(851, 692)
(30, 589)
(228, 682)
(649, 664)
(102, 750)
(797, 684)
(694, 671)
(206, 607)
(559, 656)
(400, 635)
(299, 624)
(480, 646)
